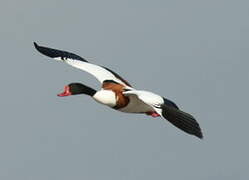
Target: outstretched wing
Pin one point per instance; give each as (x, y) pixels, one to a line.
(169, 111)
(101, 73)
(182, 120)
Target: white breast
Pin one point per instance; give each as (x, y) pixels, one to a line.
(105, 97)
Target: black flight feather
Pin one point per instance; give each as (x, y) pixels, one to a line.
(170, 103)
(54, 53)
(182, 120)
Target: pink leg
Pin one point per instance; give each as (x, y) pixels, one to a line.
(153, 114)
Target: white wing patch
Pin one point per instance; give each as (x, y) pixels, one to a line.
(99, 72)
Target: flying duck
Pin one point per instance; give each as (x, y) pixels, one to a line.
(118, 94)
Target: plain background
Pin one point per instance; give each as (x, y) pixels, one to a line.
(193, 52)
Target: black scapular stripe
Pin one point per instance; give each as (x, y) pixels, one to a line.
(118, 76)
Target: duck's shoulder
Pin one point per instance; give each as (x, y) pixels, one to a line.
(118, 89)
(112, 85)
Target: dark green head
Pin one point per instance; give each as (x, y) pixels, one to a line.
(77, 88)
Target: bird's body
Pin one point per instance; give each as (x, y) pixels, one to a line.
(106, 97)
(136, 106)
(118, 94)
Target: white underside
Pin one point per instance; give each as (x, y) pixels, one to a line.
(143, 101)
(136, 106)
(139, 101)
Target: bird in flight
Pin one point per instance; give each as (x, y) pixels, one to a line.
(118, 94)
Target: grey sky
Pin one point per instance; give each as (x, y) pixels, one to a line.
(193, 52)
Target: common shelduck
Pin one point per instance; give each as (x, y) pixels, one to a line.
(118, 94)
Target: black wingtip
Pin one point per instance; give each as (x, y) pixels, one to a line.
(55, 53)
(37, 47)
(35, 44)
(182, 120)
(200, 136)
(43, 50)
